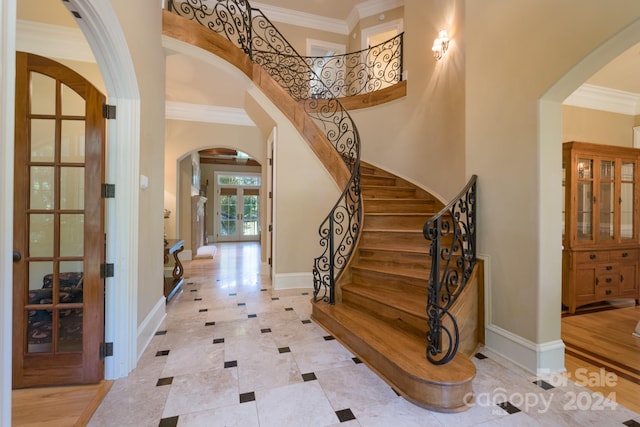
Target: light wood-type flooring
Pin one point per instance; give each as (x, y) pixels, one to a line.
(56, 406)
(600, 341)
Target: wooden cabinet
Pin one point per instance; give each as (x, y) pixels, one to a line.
(600, 223)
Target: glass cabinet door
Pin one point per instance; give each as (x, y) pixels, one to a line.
(607, 200)
(627, 177)
(584, 200)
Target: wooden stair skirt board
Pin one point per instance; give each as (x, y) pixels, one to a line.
(397, 353)
(380, 310)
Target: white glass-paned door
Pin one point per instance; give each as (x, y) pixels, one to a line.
(238, 207)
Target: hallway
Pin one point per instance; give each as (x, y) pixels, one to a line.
(234, 352)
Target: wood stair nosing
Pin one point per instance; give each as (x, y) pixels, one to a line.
(399, 358)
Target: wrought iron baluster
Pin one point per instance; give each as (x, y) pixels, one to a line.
(451, 266)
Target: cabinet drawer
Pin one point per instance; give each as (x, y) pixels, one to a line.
(623, 255)
(607, 278)
(607, 291)
(591, 256)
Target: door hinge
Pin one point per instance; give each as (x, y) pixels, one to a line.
(270, 195)
(108, 191)
(269, 260)
(109, 111)
(106, 350)
(270, 228)
(106, 270)
(270, 162)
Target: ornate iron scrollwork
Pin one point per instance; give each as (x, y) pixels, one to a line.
(452, 233)
(250, 30)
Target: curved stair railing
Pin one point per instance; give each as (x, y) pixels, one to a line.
(251, 31)
(452, 233)
(358, 73)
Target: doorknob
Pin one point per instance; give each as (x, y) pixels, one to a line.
(16, 256)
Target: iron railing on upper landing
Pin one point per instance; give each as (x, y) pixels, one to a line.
(358, 73)
(251, 31)
(452, 233)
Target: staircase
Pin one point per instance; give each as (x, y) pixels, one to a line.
(383, 263)
(380, 301)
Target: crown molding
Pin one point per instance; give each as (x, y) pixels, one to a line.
(53, 41)
(605, 99)
(302, 19)
(207, 114)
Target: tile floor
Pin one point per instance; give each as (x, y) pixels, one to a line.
(234, 352)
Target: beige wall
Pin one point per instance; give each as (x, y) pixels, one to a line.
(600, 127)
(142, 25)
(421, 136)
(515, 53)
(298, 36)
(355, 39)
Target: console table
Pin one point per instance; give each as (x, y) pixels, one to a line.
(172, 284)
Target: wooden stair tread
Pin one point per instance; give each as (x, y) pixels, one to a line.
(412, 302)
(391, 248)
(395, 230)
(405, 350)
(413, 273)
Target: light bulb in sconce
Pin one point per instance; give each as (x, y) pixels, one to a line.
(440, 45)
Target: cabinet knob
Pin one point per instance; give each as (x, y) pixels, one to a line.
(625, 254)
(609, 267)
(608, 292)
(608, 280)
(592, 256)
(597, 281)
(621, 278)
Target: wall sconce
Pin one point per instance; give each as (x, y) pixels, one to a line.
(440, 45)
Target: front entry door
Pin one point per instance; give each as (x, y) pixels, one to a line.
(58, 303)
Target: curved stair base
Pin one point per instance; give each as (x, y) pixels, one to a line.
(398, 357)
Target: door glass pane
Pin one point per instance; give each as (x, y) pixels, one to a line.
(70, 330)
(606, 210)
(250, 216)
(585, 169)
(584, 197)
(72, 103)
(43, 133)
(41, 235)
(627, 200)
(72, 141)
(607, 206)
(71, 235)
(40, 293)
(72, 188)
(43, 94)
(39, 333)
(584, 220)
(39, 272)
(42, 187)
(228, 215)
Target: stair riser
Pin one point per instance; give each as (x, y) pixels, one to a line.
(390, 221)
(387, 281)
(394, 239)
(406, 321)
(388, 192)
(377, 180)
(398, 206)
(373, 257)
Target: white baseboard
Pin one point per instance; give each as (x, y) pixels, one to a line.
(293, 281)
(539, 359)
(150, 325)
